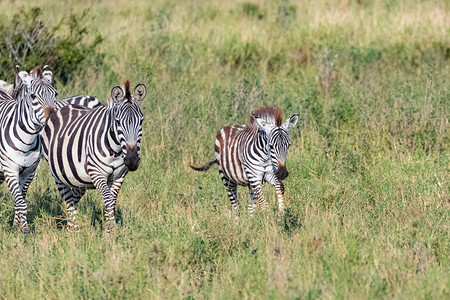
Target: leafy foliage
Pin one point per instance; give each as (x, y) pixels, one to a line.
(26, 40)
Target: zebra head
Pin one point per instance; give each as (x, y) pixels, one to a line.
(128, 119)
(278, 142)
(38, 86)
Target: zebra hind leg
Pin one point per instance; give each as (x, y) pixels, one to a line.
(258, 194)
(231, 191)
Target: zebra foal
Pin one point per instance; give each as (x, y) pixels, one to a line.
(248, 155)
(95, 148)
(22, 117)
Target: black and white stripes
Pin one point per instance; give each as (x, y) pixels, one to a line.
(250, 154)
(22, 116)
(95, 148)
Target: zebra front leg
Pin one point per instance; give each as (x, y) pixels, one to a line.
(25, 179)
(258, 194)
(20, 207)
(279, 187)
(252, 205)
(115, 187)
(255, 184)
(101, 185)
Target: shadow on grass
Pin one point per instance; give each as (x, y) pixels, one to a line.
(290, 221)
(46, 204)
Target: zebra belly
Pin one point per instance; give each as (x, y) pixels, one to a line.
(80, 178)
(21, 159)
(239, 180)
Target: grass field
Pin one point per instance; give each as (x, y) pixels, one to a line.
(368, 194)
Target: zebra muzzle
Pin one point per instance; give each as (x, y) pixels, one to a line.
(132, 158)
(282, 173)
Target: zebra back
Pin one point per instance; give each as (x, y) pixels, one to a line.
(82, 100)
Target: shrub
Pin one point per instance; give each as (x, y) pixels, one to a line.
(27, 40)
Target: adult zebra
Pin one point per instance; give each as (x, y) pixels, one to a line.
(7, 90)
(21, 119)
(88, 149)
(250, 154)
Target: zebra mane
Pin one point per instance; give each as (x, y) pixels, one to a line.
(269, 113)
(36, 72)
(127, 90)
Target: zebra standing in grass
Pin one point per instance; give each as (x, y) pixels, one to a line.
(21, 119)
(250, 154)
(88, 148)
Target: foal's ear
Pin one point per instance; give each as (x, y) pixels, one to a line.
(263, 124)
(140, 91)
(291, 122)
(117, 94)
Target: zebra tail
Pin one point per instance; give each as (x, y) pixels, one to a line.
(205, 167)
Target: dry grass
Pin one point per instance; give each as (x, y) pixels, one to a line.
(368, 196)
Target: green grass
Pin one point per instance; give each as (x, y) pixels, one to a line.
(367, 197)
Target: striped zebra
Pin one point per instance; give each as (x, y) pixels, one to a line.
(95, 148)
(248, 155)
(7, 89)
(21, 119)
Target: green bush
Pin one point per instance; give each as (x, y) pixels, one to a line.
(27, 41)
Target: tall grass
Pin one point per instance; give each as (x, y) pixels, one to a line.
(367, 196)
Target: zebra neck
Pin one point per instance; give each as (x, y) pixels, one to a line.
(263, 145)
(26, 117)
(112, 135)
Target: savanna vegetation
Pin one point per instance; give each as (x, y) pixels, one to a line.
(368, 194)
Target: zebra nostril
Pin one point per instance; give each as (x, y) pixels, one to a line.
(282, 173)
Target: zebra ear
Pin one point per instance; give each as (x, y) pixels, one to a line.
(22, 76)
(140, 91)
(262, 124)
(117, 94)
(291, 122)
(47, 73)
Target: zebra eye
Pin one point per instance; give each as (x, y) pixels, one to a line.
(33, 96)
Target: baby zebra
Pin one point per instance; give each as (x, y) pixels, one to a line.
(95, 148)
(250, 154)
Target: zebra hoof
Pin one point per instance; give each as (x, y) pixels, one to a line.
(21, 226)
(112, 227)
(24, 229)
